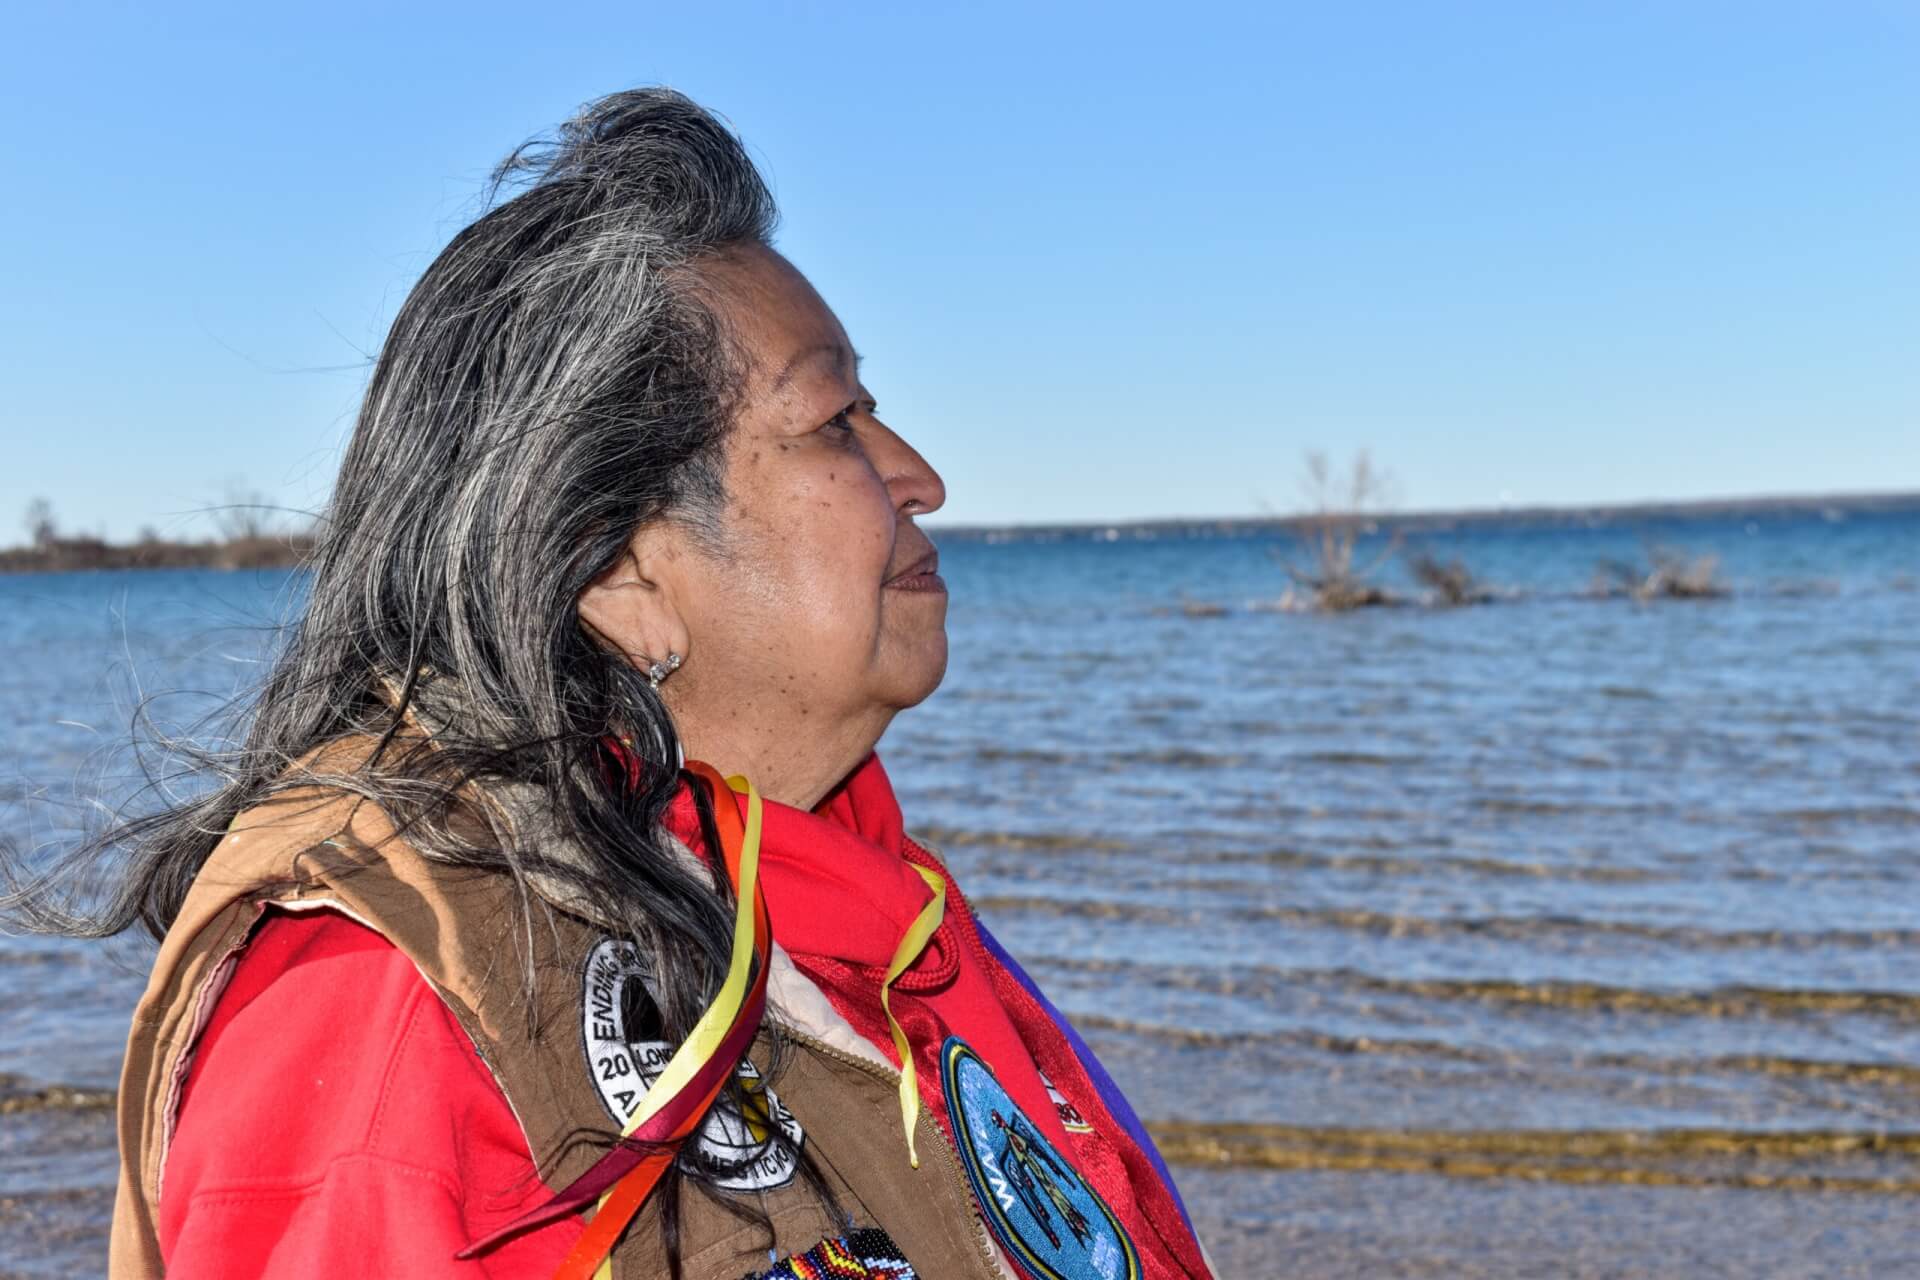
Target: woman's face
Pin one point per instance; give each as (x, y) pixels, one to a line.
(820, 613)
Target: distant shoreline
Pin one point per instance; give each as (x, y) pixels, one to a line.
(79, 555)
(86, 555)
(1442, 519)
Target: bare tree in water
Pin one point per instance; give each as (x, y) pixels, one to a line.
(1339, 511)
(243, 517)
(253, 532)
(42, 530)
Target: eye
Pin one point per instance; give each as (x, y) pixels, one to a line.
(842, 421)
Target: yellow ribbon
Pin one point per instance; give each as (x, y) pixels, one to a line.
(912, 943)
(714, 1024)
(712, 1027)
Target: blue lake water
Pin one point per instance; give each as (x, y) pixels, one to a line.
(1554, 865)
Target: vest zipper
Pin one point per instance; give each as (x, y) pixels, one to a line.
(946, 1156)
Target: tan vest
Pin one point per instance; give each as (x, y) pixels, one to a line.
(463, 930)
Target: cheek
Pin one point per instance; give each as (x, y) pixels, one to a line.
(848, 519)
(817, 542)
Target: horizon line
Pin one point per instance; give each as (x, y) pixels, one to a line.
(1780, 501)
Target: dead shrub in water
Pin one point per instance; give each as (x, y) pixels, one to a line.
(1450, 583)
(1667, 575)
(1323, 568)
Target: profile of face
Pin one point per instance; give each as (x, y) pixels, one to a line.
(818, 613)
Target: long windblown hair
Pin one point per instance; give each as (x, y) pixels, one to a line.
(557, 379)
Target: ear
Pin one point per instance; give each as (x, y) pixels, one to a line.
(631, 607)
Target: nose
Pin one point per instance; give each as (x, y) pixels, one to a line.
(916, 488)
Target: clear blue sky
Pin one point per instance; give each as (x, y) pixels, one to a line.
(1104, 262)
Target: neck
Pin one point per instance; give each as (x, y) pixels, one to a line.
(794, 765)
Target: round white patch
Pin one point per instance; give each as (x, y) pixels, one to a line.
(623, 1070)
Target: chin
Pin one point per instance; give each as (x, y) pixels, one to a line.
(914, 679)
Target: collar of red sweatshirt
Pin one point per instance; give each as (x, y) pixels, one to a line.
(842, 889)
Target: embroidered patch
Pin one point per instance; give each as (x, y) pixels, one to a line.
(1044, 1214)
(1070, 1118)
(870, 1252)
(625, 1056)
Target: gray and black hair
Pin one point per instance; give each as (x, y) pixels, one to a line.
(558, 378)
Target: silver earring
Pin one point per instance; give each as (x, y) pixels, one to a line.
(658, 671)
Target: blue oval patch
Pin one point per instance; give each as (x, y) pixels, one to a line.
(1044, 1213)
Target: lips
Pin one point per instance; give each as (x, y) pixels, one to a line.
(928, 563)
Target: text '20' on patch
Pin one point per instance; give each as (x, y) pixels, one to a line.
(754, 1147)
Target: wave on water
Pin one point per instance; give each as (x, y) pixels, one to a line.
(941, 836)
(1887, 815)
(1356, 758)
(18, 1097)
(1197, 848)
(1115, 761)
(1897, 1074)
(1716, 1002)
(1517, 928)
(1883, 1163)
(1438, 864)
(1732, 1001)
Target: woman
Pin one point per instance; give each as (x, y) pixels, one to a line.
(558, 818)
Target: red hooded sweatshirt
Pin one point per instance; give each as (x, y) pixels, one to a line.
(351, 1181)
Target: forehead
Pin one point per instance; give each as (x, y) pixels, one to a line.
(789, 334)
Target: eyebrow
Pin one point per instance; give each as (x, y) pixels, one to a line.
(840, 355)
